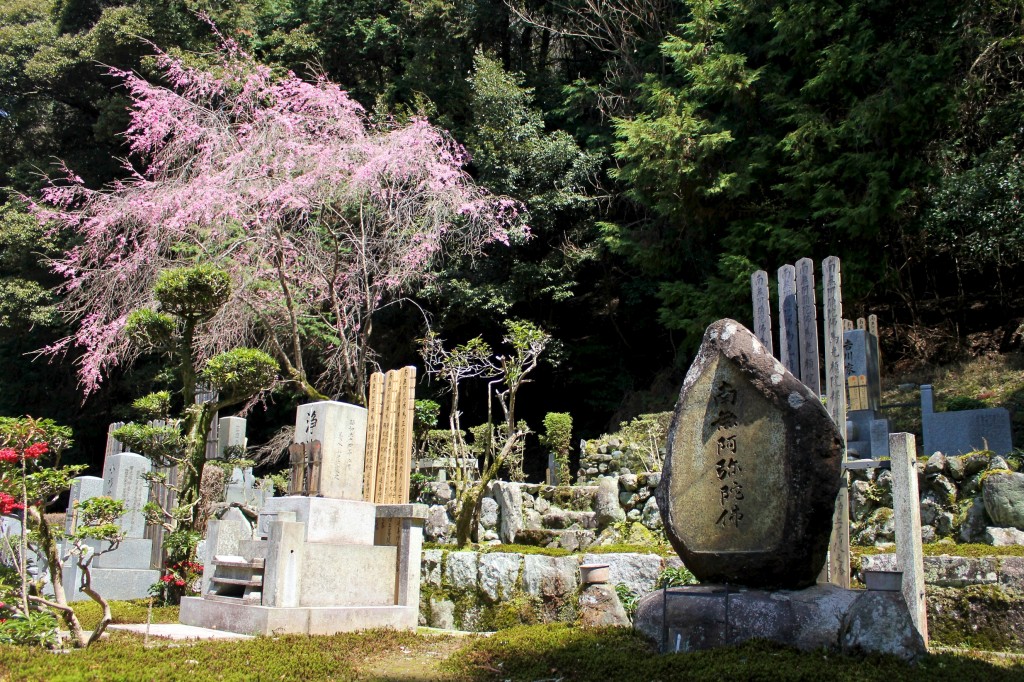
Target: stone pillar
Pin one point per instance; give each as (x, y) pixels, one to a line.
(762, 309)
(807, 316)
(283, 569)
(341, 430)
(835, 380)
(789, 336)
(906, 509)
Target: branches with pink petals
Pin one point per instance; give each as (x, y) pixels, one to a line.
(319, 216)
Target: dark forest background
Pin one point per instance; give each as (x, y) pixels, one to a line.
(665, 150)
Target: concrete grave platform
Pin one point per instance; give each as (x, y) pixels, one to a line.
(311, 620)
(177, 631)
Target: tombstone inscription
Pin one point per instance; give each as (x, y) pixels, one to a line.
(753, 467)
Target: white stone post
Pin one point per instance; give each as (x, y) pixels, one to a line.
(835, 383)
(906, 507)
(762, 309)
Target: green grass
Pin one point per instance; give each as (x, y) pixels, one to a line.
(133, 611)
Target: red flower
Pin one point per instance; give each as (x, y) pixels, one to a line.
(36, 449)
(179, 582)
(8, 455)
(167, 578)
(8, 504)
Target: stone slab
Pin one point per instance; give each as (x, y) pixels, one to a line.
(349, 522)
(821, 616)
(230, 433)
(341, 430)
(347, 575)
(957, 433)
(112, 583)
(177, 631)
(131, 553)
(262, 620)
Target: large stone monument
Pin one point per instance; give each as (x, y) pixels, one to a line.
(747, 497)
(753, 467)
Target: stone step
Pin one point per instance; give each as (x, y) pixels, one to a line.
(238, 562)
(256, 581)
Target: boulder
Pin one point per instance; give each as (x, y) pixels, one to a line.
(935, 465)
(880, 622)
(489, 513)
(1003, 537)
(972, 528)
(442, 614)
(606, 502)
(498, 574)
(651, 516)
(436, 526)
(638, 572)
(460, 569)
(430, 567)
(753, 467)
(550, 577)
(510, 503)
(628, 482)
(576, 540)
(1003, 494)
(600, 607)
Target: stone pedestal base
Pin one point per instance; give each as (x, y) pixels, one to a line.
(324, 620)
(701, 617)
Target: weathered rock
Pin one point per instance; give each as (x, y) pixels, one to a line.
(628, 482)
(555, 518)
(430, 567)
(550, 576)
(1003, 537)
(489, 512)
(883, 479)
(654, 479)
(880, 622)
(625, 498)
(638, 572)
(935, 465)
(975, 462)
(460, 569)
(442, 614)
(600, 607)
(972, 528)
(498, 573)
(997, 463)
(541, 505)
(930, 509)
(528, 500)
(651, 517)
(436, 492)
(944, 487)
(606, 502)
(633, 515)
(943, 571)
(861, 504)
(928, 534)
(436, 526)
(944, 524)
(510, 502)
(532, 520)
(1004, 499)
(576, 539)
(753, 467)
(956, 468)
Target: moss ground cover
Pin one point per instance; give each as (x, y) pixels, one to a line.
(940, 548)
(539, 652)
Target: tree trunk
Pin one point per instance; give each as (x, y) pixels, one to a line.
(53, 565)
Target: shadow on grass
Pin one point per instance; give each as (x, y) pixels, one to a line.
(571, 654)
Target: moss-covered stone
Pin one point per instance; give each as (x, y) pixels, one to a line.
(978, 616)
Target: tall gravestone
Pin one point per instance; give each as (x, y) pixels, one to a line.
(230, 434)
(82, 488)
(123, 480)
(753, 467)
(341, 430)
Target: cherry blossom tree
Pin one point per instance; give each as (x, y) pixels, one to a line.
(320, 215)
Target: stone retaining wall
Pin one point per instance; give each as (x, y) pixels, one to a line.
(489, 590)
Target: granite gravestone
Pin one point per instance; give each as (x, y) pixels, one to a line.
(341, 430)
(753, 467)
